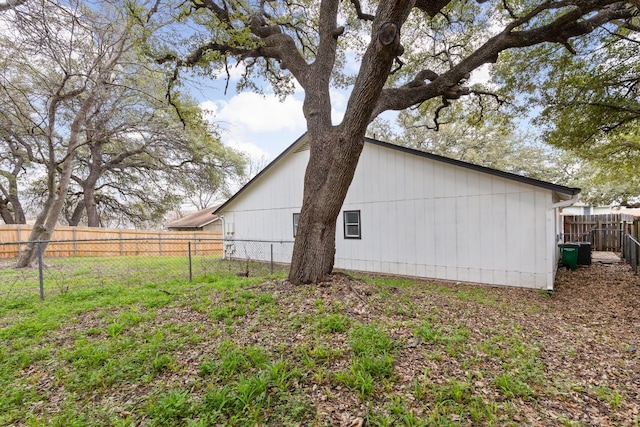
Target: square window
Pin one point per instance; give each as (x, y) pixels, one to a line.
(352, 225)
(296, 219)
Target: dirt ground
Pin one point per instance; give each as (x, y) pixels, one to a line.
(583, 343)
(588, 331)
(595, 311)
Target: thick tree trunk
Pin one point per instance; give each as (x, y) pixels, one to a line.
(329, 174)
(335, 150)
(93, 218)
(15, 215)
(76, 216)
(88, 203)
(47, 220)
(5, 213)
(18, 212)
(28, 256)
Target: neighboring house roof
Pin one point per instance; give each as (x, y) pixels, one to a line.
(302, 142)
(197, 219)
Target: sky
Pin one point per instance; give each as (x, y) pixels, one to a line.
(262, 125)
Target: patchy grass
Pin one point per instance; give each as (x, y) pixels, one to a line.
(67, 275)
(238, 351)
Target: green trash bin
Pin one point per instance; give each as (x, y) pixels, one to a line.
(569, 255)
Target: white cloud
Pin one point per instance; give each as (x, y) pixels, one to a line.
(481, 75)
(251, 149)
(257, 113)
(259, 125)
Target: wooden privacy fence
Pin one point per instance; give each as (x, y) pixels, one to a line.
(85, 241)
(604, 232)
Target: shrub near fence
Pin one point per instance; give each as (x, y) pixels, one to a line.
(85, 241)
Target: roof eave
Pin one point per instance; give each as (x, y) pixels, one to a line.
(560, 189)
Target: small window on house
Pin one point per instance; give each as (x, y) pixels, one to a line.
(352, 225)
(296, 219)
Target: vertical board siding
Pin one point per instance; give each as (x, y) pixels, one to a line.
(450, 222)
(419, 217)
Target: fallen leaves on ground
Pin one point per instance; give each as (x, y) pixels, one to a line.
(576, 350)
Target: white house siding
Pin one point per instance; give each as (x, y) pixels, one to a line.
(426, 218)
(419, 217)
(268, 213)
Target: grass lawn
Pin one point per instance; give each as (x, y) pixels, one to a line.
(238, 351)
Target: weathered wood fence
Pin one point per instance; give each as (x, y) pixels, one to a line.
(85, 241)
(604, 232)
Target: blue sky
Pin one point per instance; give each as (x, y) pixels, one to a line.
(260, 124)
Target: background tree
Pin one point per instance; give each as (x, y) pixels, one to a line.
(588, 103)
(15, 156)
(18, 138)
(89, 117)
(409, 52)
(62, 85)
(476, 133)
(10, 4)
(254, 166)
(11, 210)
(139, 154)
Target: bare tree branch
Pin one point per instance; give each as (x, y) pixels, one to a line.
(358, 7)
(436, 115)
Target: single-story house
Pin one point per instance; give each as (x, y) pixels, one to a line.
(412, 213)
(203, 220)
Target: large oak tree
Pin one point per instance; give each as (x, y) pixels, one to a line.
(409, 52)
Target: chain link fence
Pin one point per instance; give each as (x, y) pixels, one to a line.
(60, 266)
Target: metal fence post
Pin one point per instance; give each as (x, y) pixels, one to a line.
(272, 259)
(190, 268)
(40, 273)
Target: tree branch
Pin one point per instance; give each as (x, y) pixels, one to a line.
(436, 115)
(431, 7)
(220, 12)
(619, 108)
(566, 26)
(363, 16)
(10, 4)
